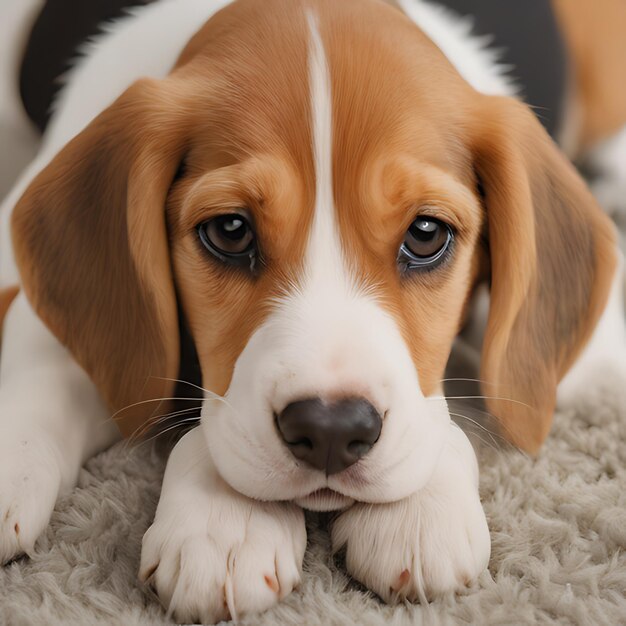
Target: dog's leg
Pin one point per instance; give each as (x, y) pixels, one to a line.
(51, 421)
(608, 163)
(212, 552)
(430, 543)
(604, 356)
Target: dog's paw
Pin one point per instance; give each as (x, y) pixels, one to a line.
(235, 557)
(430, 543)
(29, 485)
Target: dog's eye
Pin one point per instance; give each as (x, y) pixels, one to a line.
(425, 244)
(230, 238)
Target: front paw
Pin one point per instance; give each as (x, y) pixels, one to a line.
(30, 481)
(235, 557)
(430, 543)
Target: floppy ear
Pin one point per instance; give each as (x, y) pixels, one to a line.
(92, 250)
(553, 255)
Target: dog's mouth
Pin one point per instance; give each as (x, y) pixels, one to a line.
(324, 500)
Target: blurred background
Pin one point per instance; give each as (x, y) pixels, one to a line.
(40, 39)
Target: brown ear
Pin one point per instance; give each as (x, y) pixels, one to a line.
(553, 254)
(91, 245)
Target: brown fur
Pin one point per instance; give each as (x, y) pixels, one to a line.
(551, 271)
(396, 156)
(252, 151)
(90, 242)
(553, 254)
(233, 120)
(97, 267)
(595, 34)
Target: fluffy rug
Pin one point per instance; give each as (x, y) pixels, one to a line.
(558, 527)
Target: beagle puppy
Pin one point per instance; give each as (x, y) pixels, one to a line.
(289, 203)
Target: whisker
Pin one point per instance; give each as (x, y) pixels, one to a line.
(180, 424)
(483, 441)
(493, 418)
(162, 418)
(186, 382)
(113, 417)
(490, 416)
(491, 434)
(211, 394)
(482, 398)
(130, 406)
(471, 380)
(159, 419)
(477, 423)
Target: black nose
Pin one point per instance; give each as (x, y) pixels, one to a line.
(330, 437)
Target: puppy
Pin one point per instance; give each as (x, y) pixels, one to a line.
(308, 194)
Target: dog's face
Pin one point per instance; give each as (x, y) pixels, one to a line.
(317, 191)
(323, 249)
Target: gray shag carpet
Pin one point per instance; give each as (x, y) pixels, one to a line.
(558, 527)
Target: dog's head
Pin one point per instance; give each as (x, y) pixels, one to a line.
(314, 192)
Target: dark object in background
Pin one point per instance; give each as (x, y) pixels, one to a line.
(528, 36)
(526, 32)
(60, 29)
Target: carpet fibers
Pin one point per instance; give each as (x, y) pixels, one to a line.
(558, 527)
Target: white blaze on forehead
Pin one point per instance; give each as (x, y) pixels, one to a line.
(327, 337)
(324, 247)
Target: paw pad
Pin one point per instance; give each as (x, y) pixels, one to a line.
(272, 583)
(403, 579)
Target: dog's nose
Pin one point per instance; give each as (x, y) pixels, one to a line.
(330, 437)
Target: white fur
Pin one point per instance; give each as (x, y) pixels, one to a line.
(437, 537)
(51, 416)
(605, 351)
(211, 543)
(318, 342)
(609, 159)
(51, 421)
(212, 553)
(470, 54)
